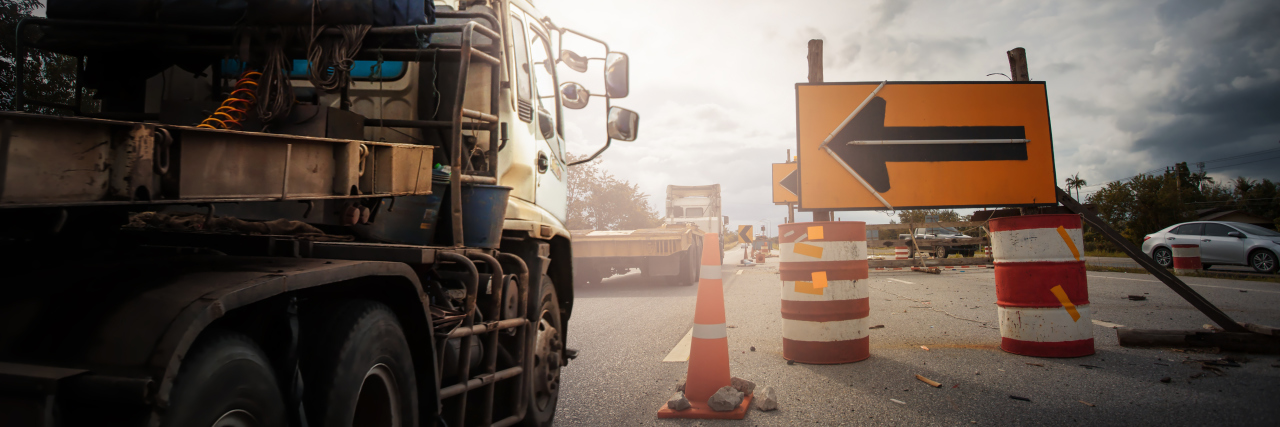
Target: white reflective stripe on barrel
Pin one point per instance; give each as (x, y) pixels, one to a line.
(831, 251)
(1191, 252)
(710, 272)
(835, 290)
(1034, 245)
(710, 332)
(1045, 324)
(842, 330)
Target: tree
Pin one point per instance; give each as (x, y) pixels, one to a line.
(600, 201)
(917, 216)
(1074, 182)
(50, 77)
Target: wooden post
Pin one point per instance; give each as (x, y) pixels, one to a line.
(1017, 65)
(815, 76)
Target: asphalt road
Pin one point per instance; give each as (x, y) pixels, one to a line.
(625, 327)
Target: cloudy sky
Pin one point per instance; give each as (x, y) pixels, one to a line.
(1133, 86)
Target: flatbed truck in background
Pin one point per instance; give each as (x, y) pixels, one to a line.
(241, 237)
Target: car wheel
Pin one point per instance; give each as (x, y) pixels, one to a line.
(1263, 261)
(1163, 257)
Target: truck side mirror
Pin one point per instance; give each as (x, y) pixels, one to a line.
(623, 124)
(616, 70)
(573, 96)
(573, 60)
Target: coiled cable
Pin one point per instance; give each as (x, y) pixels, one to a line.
(236, 107)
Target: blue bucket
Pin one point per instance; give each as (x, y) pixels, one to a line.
(411, 220)
(484, 207)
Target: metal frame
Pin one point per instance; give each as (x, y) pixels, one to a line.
(459, 256)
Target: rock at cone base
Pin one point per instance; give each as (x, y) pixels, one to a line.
(767, 400)
(744, 386)
(678, 402)
(680, 388)
(726, 399)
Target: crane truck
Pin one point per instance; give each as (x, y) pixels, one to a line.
(671, 252)
(291, 213)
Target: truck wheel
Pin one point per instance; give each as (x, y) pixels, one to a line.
(359, 370)
(548, 349)
(225, 381)
(691, 267)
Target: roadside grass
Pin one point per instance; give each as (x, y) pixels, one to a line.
(1209, 275)
(1105, 253)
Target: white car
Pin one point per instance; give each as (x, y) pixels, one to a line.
(1221, 243)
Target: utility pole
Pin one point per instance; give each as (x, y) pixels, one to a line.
(1018, 65)
(791, 208)
(815, 76)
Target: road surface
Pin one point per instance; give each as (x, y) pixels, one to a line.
(627, 326)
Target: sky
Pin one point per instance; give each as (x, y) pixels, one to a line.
(1133, 86)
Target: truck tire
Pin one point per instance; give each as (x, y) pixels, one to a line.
(548, 351)
(690, 267)
(357, 368)
(225, 381)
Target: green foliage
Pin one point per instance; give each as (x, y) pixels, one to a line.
(1148, 203)
(50, 77)
(916, 216)
(600, 201)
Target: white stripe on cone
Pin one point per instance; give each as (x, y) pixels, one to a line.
(840, 330)
(1034, 245)
(835, 290)
(710, 332)
(1192, 252)
(1045, 324)
(710, 272)
(831, 251)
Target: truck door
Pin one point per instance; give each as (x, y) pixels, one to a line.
(552, 186)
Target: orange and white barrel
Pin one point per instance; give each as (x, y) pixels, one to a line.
(1186, 259)
(1041, 289)
(902, 252)
(987, 250)
(824, 295)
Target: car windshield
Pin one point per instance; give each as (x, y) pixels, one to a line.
(1254, 230)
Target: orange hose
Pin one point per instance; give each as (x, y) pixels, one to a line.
(242, 96)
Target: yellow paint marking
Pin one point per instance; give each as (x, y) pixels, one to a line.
(815, 232)
(819, 279)
(808, 288)
(808, 250)
(1062, 231)
(1066, 302)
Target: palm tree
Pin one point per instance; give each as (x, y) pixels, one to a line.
(1075, 182)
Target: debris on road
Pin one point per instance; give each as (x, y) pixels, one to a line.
(680, 387)
(898, 401)
(677, 402)
(876, 327)
(1137, 298)
(1197, 375)
(726, 399)
(767, 400)
(1091, 367)
(933, 383)
(1166, 380)
(1035, 364)
(1086, 403)
(753, 348)
(791, 362)
(925, 348)
(1019, 398)
(744, 386)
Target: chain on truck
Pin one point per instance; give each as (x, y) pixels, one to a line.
(347, 212)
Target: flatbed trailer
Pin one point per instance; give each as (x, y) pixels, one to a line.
(671, 252)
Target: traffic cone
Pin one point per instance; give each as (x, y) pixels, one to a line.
(709, 350)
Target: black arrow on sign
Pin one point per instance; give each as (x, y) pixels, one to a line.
(744, 233)
(870, 161)
(791, 182)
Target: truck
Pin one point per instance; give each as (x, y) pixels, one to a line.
(672, 252)
(292, 213)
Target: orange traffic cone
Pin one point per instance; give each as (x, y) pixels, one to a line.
(709, 351)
